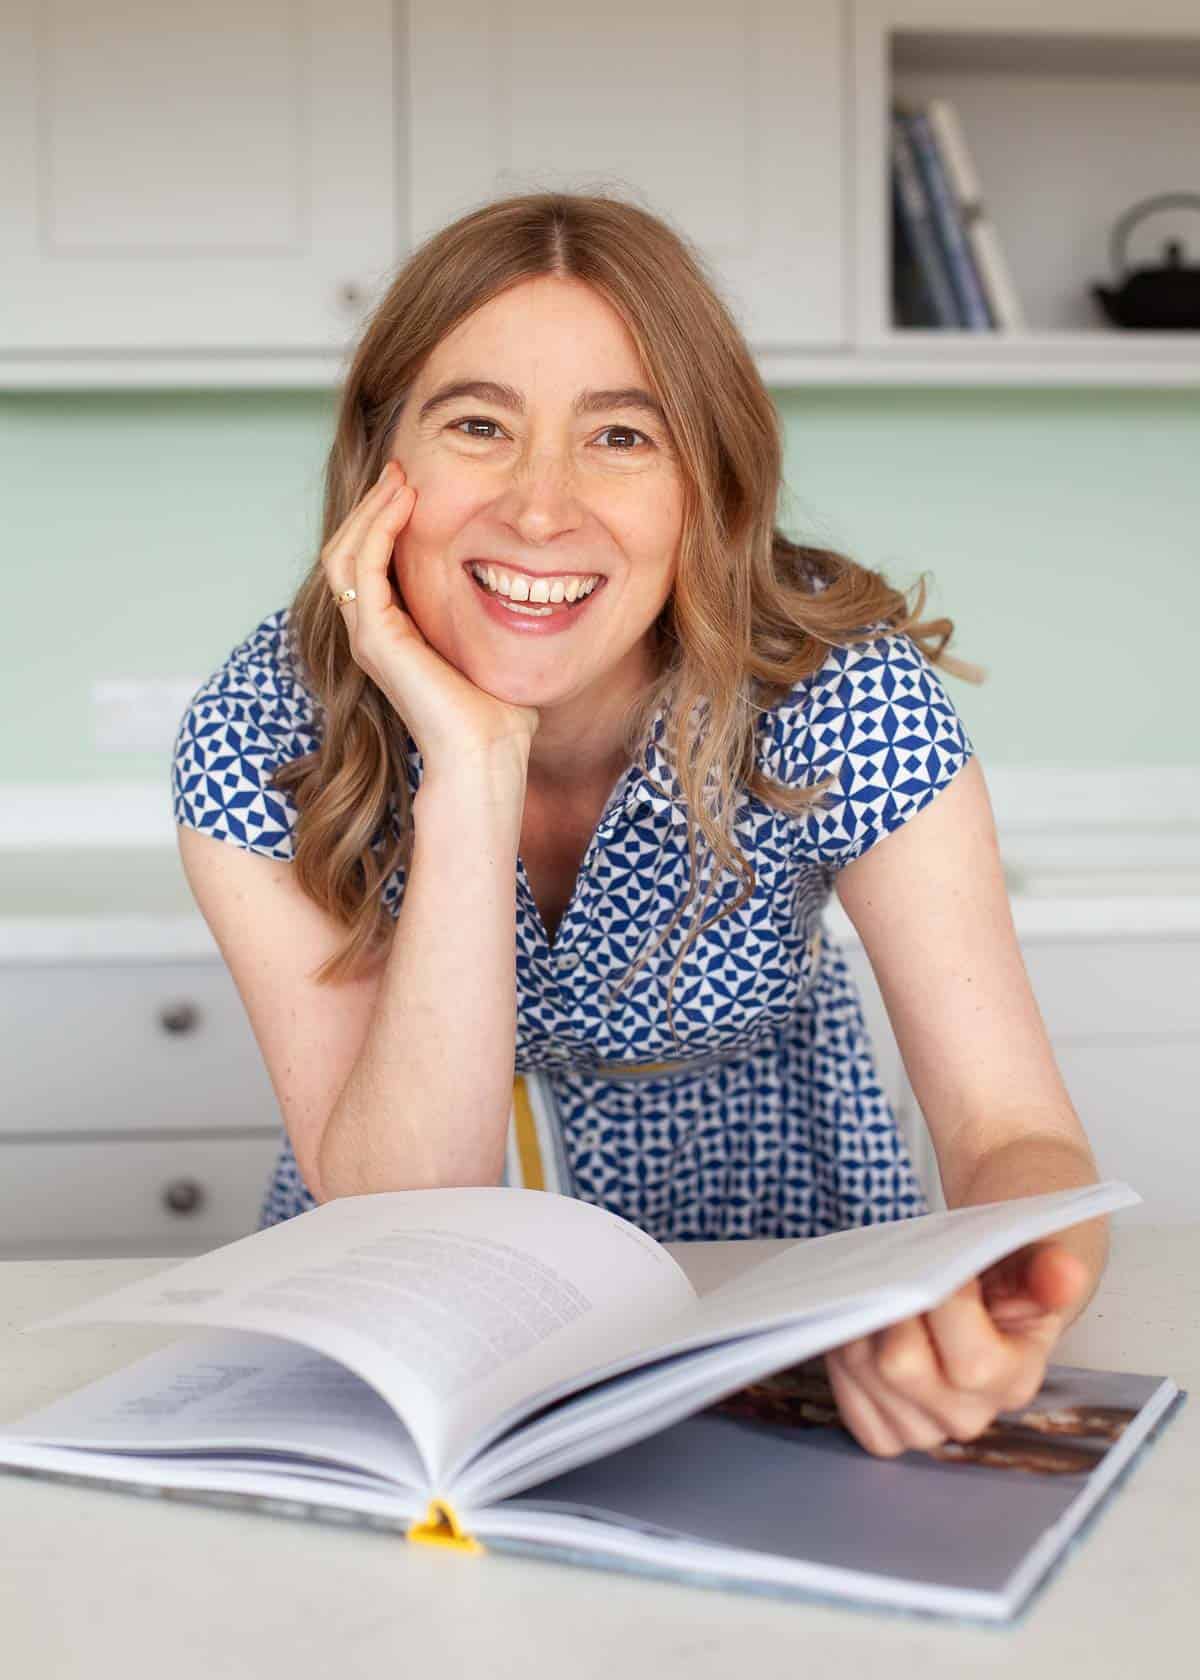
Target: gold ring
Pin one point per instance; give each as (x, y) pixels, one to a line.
(344, 595)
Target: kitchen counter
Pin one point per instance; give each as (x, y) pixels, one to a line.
(99, 1582)
(134, 902)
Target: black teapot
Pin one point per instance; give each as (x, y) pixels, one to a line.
(1168, 296)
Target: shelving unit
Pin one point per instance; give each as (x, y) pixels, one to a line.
(1073, 113)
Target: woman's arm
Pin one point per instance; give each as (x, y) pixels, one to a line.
(428, 1098)
(402, 1077)
(930, 905)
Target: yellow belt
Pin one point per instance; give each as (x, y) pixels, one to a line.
(535, 1157)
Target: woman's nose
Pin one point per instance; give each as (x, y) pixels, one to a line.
(541, 498)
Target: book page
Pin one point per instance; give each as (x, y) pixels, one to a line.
(927, 1257)
(239, 1392)
(811, 1296)
(453, 1304)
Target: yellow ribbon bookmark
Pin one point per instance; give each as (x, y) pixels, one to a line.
(441, 1527)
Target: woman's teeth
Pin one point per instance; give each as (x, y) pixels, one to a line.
(515, 590)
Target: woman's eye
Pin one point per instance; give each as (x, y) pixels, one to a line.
(478, 420)
(472, 420)
(629, 431)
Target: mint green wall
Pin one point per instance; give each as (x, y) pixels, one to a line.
(146, 533)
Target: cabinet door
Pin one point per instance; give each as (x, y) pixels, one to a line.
(724, 119)
(194, 178)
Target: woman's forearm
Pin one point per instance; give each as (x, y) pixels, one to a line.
(428, 1099)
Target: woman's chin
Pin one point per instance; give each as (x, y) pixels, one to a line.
(539, 695)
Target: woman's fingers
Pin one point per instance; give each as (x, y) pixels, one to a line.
(893, 1392)
(858, 1411)
(341, 547)
(372, 559)
(900, 1371)
(892, 1422)
(974, 1356)
(339, 557)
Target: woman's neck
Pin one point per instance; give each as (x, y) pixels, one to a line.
(579, 747)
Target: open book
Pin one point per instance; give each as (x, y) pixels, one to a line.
(503, 1367)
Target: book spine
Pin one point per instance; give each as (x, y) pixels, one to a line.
(913, 211)
(912, 304)
(1003, 300)
(963, 277)
(441, 1527)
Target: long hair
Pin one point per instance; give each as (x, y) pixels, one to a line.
(751, 612)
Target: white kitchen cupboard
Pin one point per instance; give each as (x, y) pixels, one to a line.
(1123, 1016)
(215, 196)
(138, 1116)
(1122, 1013)
(219, 181)
(725, 120)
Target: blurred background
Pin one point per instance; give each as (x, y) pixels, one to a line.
(963, 240)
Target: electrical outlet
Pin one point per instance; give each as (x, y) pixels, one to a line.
(139, 714)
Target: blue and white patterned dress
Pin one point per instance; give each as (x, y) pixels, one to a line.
(771, 1121)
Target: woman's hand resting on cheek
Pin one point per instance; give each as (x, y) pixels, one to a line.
(451, 720)
(945, 1374)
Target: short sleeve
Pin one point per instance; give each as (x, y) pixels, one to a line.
(875, 717)
(253, 714)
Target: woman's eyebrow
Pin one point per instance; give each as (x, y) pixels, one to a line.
(506, 396)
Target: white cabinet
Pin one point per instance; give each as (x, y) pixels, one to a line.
(138, 1116)
(216, 195)
(725, 120)
(1122, 1012)
(64, 1198)
(218, 180)
(1123, 1016)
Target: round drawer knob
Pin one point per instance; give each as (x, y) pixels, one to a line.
(179, 1018)
(183, 1195)
(351, 295)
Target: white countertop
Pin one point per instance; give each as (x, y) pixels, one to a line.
(92, 872)
(99, 1583)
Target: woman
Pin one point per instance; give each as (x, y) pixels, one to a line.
(558, 690)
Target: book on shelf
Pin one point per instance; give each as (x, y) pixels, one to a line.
(503, 1368)
(949, 267)
(923, 294)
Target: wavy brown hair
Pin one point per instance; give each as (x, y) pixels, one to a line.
(751, 613)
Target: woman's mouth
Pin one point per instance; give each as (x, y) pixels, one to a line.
(556, 611)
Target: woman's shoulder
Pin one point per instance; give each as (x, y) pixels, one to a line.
(876, 718)
(261, 675)
(252, 714)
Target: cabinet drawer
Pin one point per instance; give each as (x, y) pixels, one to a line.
(1091, 988)
(66, 1199)
(129, 1047)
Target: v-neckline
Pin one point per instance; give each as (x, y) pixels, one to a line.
(617, 797)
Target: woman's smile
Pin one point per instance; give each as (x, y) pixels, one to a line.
(530, 615)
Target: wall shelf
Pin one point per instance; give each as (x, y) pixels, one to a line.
(1073, 113)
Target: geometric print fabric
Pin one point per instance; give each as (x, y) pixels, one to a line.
(771, 1121)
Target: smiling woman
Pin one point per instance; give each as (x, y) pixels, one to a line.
(555, 681)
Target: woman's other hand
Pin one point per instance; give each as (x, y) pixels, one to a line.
(945, 1374)
(451, 720)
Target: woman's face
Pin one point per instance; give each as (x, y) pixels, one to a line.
(556, 478)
